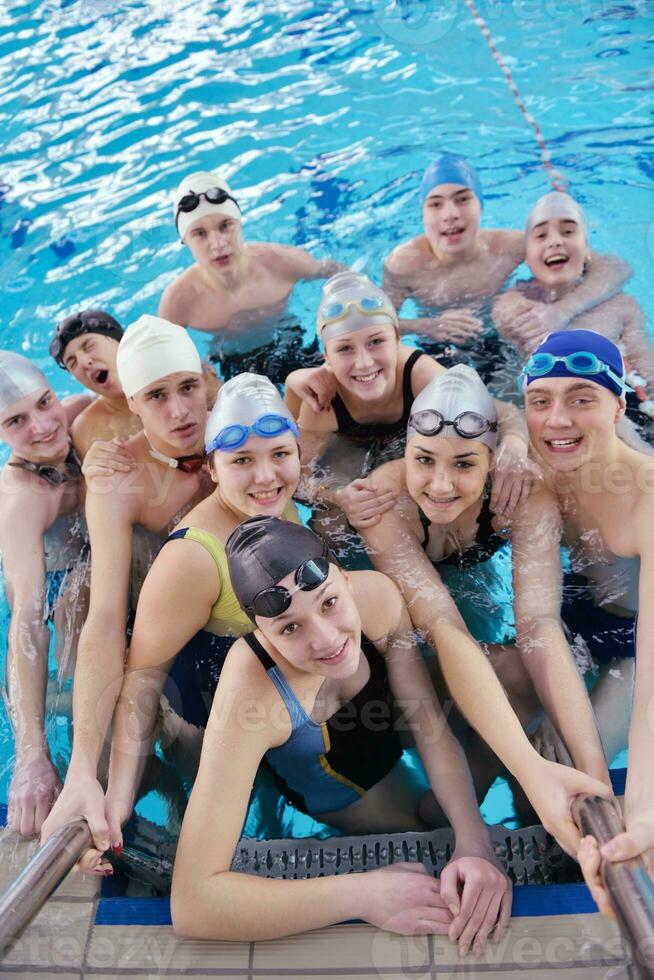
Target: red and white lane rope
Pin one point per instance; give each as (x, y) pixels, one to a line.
(557, 180)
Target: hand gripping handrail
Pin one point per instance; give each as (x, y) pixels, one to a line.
(40, 877)
(630, 888)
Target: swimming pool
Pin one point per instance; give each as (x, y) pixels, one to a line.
(321, 115)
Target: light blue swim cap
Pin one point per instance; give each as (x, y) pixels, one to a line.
(450, 168)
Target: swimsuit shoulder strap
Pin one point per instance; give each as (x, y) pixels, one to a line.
(297, 714)
(407, 392)
(424, 522)
(209, 542)
(344, 420)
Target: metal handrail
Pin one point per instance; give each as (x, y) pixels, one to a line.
(630, 887)
(39, 878)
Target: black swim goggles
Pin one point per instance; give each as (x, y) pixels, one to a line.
(190, 201)
(276, 600)
(468, 425)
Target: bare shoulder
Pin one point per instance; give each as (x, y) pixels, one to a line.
(500, 241)
(425, 369)
(287, 260)
(389, 475)
(178, 298)
(25, 513)
(379, 603)
(407, 257)
(75, 405)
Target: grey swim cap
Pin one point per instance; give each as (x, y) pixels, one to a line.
(242, 401)
(555, 205)
(263, 550)
(19, 377)
(456, 391)
(351, 301)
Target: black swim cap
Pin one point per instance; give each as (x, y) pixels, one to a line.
(263, 550)
(87, 321)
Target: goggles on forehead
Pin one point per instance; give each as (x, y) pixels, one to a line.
(582, 363)
(276, 599)
(468, 425)
(268, 426)
(190, 201)
(367, 305)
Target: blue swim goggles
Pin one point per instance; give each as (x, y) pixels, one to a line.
(268, 426)
(582, 363)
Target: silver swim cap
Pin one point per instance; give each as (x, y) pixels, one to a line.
(19, 377)
(350, 301)
(457, 392)
(555, 205)
(248, 402)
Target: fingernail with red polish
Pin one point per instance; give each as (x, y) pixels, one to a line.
(117, 848)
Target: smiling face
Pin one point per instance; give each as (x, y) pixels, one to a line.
(445, 476)
(320, 632)
(364, 362)
(215, 241)
(451, 215)
(571, 420)
(36, 427)
(173, 411)
(91, 359)
(557, 251)
(260, 477)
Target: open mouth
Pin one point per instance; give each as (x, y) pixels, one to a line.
(335, 658)
(367, 379)
(99, 377)
(556, 261)
(563, 445)
(266, 496)
(221, 259)
(453, 234)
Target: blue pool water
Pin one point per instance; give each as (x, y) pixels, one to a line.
(322, 115)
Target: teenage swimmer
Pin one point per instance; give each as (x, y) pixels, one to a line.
(454, 266)
(574, 396)
(368, 384)
(161, 375)
(187, 602)
(443, 547)
(237, 290)
(40, 540)
(330, 651)
(558, 254)
(86, 344)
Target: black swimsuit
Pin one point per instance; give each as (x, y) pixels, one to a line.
(326, 766)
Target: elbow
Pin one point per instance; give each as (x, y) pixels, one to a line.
(200, 909)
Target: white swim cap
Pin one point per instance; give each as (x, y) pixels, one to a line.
(198, 184)
(556, 204)
(152, 348)
(19, 377)
(453, 393)
(242, 401)
(350, 301)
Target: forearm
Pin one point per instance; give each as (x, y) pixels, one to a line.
(512, 427)
(97, 683)
(547, 659)
(605, 277)
(329, 267)
(134, 728)
(242, 908)
(27, 676)
(451, 782)
(639, 795)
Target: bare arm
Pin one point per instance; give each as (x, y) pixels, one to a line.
(604, 277)
(395, 550)
(537, 577)
(25, 518)
(636, 345)
(300, 264)
(184, 578)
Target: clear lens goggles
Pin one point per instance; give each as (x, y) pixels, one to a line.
(468, 425)
(276, 600)
(268, 426)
